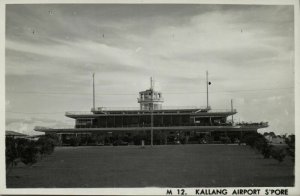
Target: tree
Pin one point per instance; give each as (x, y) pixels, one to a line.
(11, 154)
(278, 154)
(27, 151)
(272, 134)
(260, 143)
(45, 145)
(266, 150)
(290, 141)
(251, 138)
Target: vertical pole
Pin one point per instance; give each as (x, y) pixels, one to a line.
(232, 111)
(93, 91)
(206, 89)
(151, 109)
(151, 83)
(151, 126)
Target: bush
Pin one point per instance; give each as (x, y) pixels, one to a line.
(74, 141)
(28, 151)
(11, 153)
(278, 154)
(45, 145)
(54, 138)
(260, 144)
(291, 146)
(266, 151)
(250, 139)
(225, 140)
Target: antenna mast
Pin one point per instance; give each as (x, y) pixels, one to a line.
(151, 109)
(206, 89)
(93, 91)
(232, 111)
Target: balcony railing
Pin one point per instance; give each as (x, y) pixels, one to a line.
(222, 110)
(107, 109)
(102, 109)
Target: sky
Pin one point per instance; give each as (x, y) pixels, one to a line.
(51, 52)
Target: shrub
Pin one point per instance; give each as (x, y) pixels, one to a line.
(28, 152)
(266, 151)
(45, 145)
(291, 146)
(74, 141)
(262, 146)
(250, 139)
(278, 154)
(11, 154)
(260, 143)
(54, 138)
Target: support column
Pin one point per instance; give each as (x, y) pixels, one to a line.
(59, 138)
(151, 126)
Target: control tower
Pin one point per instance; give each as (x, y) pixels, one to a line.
(150, 99)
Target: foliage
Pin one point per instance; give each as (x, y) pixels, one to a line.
(54, 138)
(11, 153)
(250, 139)
(27, 151)
(45, 145)
(290, 141)
(258, 142)
(278, 154)
(266, 151)
(225, 139)
(74, 141)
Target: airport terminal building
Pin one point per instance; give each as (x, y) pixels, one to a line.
(153, 124)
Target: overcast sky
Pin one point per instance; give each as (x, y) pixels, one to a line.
(52, 51)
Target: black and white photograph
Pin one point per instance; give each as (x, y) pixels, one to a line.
(150, 95)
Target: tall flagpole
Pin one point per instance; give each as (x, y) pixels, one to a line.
(232, 111)
(93, 91)
(151, 112)
(207, 89)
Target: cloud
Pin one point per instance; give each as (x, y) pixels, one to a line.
(26, 125)
(56, 48)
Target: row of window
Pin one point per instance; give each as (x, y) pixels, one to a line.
(145, 121)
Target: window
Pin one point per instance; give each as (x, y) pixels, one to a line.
(197, 120)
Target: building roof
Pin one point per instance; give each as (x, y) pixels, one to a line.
(194, 112)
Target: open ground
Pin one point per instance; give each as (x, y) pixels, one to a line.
(157, 166)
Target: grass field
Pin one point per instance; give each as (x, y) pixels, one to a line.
(160, 166)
